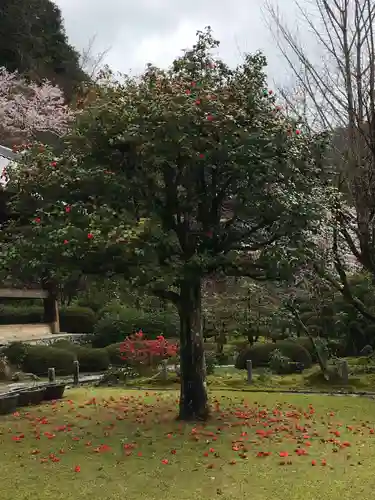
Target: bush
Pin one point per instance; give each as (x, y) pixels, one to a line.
(92, 360)
(337, 348)
(114, 328)
(306, 343)
(15, 353)
(10, 315)
(115, 357)
(77, 319)
(282, 365)
(39, 358)
(224, 358)
(210, 362)
(65, 344)
(73, 319)
(260, 354)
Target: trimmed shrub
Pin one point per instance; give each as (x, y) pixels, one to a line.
(337, 348)
(77, 319)
(115, 357)
(282, 365)
(92, 360)
(73, 319)
(111, 329)
(15, 353)
(39, 358)
(260, 354)
(65, 344)
(306, 343)
(224, 358)
(10, 315)
(210, 357)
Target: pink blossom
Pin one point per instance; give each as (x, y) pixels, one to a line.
(27, 108)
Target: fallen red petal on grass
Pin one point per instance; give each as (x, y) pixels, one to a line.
(313, 462)
(77, 468)
(165, 461)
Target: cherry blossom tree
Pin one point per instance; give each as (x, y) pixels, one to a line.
(29, 108)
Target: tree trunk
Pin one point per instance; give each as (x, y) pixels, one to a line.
(193, 396)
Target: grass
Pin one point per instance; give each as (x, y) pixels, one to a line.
(309, 380)
(112, 444)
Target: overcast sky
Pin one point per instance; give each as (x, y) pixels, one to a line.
(142, 31)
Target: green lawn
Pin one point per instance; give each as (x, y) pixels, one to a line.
(127, 445)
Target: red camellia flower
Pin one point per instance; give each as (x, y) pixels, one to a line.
(77, 468)
(37, 220)
(210, 118)
(66, 242)
(298, 132)
(53, 164)
(165, 461)
(67, 209)
(197, 102)
(90, 236)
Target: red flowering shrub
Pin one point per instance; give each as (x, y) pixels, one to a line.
(143, 354)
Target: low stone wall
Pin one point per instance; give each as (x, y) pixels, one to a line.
(23, 333)
(49, 339)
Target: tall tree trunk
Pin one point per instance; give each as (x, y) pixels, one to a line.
(193, 397)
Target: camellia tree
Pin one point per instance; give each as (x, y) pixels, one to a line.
(169, 178)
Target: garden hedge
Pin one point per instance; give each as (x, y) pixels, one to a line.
(76, 319)
(39, 358)
(90, 359)
(260, 354)
(114, 328)
(73, 319)
(115, 356)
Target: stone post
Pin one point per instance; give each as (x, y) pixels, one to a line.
(51, 375)
(76, 373)
(249, 368)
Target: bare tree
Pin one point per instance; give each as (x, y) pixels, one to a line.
(92, 63)
(336, 84)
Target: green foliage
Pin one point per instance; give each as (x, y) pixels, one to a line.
(115, 356)
(111, 329)
(34, 43)
(39, 358)
(73, 319)
(91, 359)
(173, 140)
(76, 319)
(260, 354)
(210, 362)
(10, 315)
(65, 344)
(282, 365)
(15, 352)
(306, 343)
